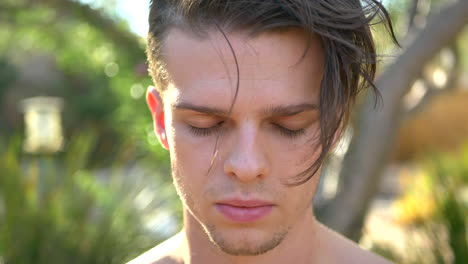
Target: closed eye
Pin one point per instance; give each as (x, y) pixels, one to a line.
(289, 132)
(205, 131)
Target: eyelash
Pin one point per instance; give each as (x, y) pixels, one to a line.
(290, 133)
(197, 131)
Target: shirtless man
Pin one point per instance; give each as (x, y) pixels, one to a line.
(249, 97)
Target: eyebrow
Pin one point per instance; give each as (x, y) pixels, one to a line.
(277, 110)
(289, 110)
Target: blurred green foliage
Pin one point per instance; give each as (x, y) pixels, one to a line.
(449, 177)
(436, 210)
(54, 210)
(102, 71)
(86, 204)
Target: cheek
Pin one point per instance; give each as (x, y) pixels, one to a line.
(188, 149)
(190, 161)
(292, 158)
(303, 196)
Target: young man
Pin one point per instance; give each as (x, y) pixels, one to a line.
(250, 97)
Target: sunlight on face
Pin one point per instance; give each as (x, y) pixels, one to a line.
(269, 136)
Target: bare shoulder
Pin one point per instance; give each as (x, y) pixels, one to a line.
(164, 253)
(343, 250)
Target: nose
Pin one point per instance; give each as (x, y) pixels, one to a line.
(246, 159)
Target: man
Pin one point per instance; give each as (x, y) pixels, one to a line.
(250, 97)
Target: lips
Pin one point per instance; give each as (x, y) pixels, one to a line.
(244, 210)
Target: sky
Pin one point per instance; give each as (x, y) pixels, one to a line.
(134, 11)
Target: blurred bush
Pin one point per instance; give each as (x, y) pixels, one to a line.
(108, 196)
(88, 57)
(435, 208)
(55, 210)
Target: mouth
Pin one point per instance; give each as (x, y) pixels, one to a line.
(244, 211)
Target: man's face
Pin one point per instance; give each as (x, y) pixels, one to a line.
(230, 167)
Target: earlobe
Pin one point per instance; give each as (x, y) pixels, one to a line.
(155, 105)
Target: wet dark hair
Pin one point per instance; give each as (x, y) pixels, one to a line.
(342, 25)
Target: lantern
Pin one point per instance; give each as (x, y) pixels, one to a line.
(43, 124)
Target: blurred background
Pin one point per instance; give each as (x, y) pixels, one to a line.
(83, 180)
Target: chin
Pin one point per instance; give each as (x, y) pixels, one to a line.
(244, 241)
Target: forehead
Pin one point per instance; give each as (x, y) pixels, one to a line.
(271, 68)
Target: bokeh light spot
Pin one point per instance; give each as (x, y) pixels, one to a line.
(111, 69)
(137, 91)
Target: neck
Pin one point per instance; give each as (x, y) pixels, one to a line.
(301, 245)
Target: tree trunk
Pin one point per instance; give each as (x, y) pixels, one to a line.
(376, 129)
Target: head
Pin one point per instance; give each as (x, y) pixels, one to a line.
(250, 97)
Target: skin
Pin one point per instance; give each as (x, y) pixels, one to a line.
(269, 137)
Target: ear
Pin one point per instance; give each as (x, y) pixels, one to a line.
(155, 105)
